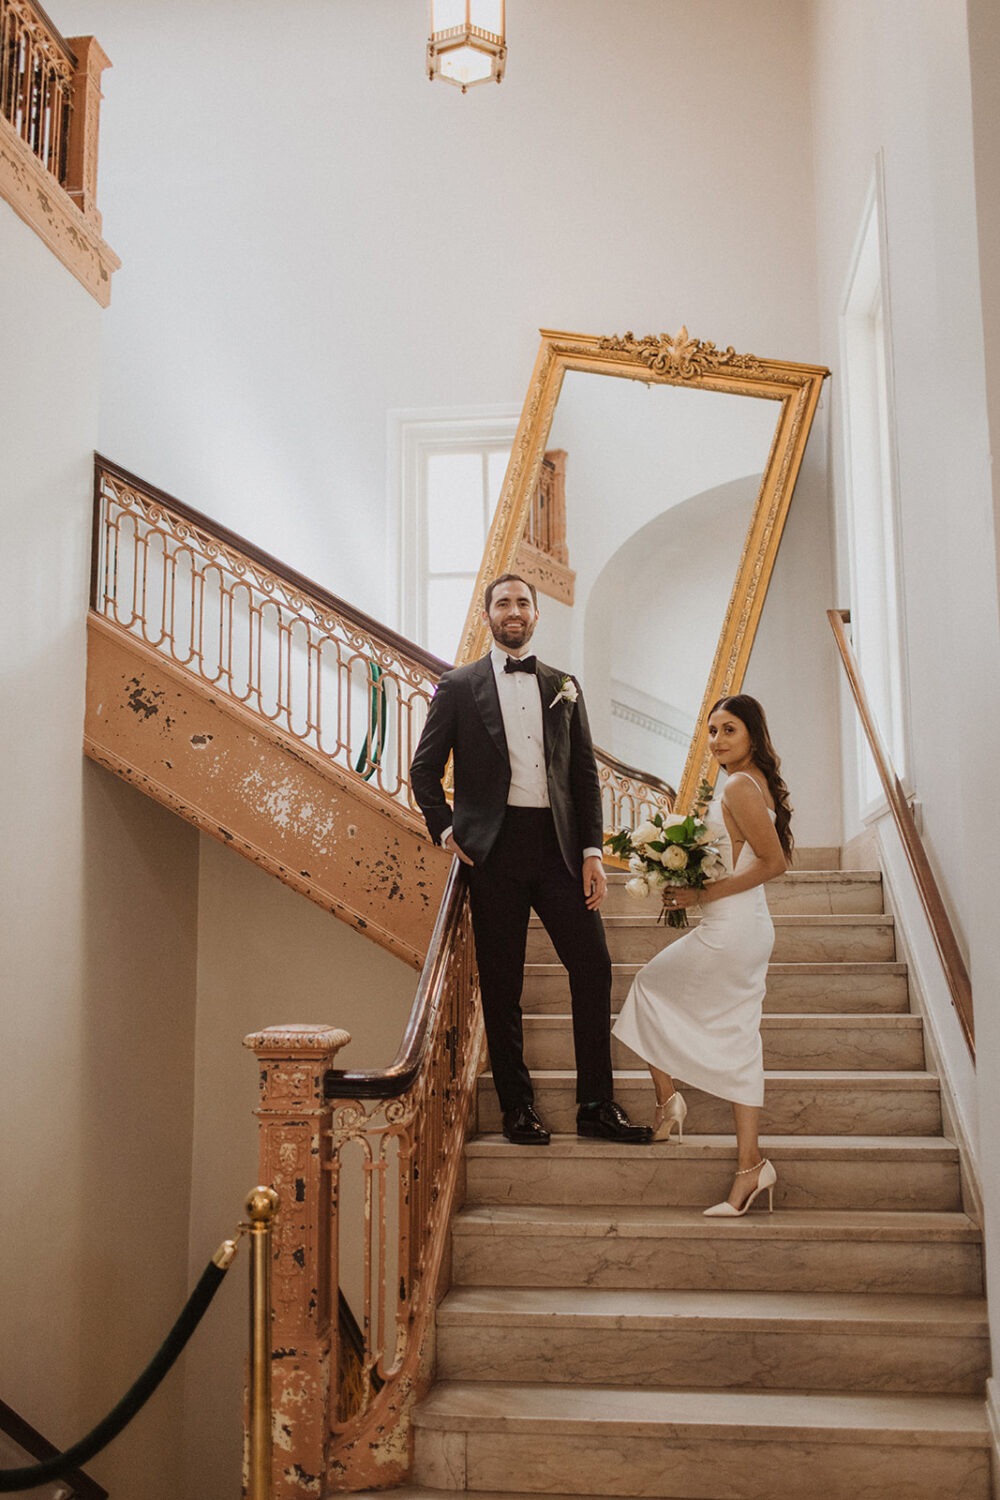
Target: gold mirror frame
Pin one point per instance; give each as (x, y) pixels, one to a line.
(664, 359)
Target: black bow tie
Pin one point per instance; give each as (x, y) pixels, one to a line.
(520, 664)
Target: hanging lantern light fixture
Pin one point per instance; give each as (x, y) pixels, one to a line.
(468, 43)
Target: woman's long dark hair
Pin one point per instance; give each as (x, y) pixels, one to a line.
(750, 713)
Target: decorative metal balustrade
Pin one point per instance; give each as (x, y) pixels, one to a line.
(368, 1163)
(311, 665)
(322, 673)
(37, 67)
(629, 796)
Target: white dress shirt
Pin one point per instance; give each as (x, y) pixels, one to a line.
(521, 711)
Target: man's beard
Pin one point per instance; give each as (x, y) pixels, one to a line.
(512, 640)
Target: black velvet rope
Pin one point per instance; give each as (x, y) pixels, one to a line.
(134, 1400)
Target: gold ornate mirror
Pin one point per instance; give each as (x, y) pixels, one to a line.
(677, 493)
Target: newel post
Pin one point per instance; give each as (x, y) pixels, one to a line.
(294, 1135)
(84, 129)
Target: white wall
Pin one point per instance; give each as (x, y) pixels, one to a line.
(308, 245)
(98, 899)
(314, 244)
(894, 77)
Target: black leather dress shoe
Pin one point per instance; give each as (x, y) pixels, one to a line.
(609, 1122)
(522, 1127)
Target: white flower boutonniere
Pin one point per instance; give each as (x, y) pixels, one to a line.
(568, 692)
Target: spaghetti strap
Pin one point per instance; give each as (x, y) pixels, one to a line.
(734, 774)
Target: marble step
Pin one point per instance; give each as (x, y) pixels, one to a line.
(819, 1172)
(795, 1103)
(422, 1492)
(814, 891)
(678, 1249)
(834, 988)
(861, 1043)
(814, 939)
(714, 1340)
(718, 1444)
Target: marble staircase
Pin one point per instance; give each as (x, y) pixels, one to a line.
(602, 1338)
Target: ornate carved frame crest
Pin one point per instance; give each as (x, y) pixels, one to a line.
(665, 359)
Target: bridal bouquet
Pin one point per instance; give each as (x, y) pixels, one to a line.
(670, 849)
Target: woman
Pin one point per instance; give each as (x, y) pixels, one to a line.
(694, 1010)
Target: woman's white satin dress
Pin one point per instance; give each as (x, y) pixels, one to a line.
(694, 1010)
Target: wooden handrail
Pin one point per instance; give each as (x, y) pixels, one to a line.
(943, 933)
(400, 1075)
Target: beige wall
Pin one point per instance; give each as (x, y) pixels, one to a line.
(98, 901)
(265, 956)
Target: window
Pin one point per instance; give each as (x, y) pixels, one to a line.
(875, 575)
(449, 470)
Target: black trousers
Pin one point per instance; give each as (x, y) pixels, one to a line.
(525, 869)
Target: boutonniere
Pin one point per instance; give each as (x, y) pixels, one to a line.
(568, 692)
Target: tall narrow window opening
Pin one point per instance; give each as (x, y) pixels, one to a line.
(873, 532)
(448, 470)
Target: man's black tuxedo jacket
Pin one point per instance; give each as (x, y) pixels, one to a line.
(464, 719)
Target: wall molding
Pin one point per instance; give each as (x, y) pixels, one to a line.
(36, 197)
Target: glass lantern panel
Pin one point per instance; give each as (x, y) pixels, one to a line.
(487, 15)
(447, 13)
(466, 65)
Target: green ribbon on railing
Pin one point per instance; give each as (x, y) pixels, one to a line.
(61, 1464)
(371, 750)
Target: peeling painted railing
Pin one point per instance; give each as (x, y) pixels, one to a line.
(36, 82)
(210, 601)
(369, 1166)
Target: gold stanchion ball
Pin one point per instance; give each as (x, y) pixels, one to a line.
(262, 1204)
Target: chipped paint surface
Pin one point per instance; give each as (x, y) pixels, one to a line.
(293, 1123)
(323, 832)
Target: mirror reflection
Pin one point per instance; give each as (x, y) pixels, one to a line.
(661, 483)
(680, 462)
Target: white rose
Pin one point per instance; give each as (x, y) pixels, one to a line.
(656, 880)
(713, 867)
(645, 833)
(637, 864)
(674, 857)
(637, 887)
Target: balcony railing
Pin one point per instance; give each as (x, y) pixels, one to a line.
(37, 67)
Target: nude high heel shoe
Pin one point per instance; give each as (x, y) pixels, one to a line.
(768, 1177)
(671, 1112)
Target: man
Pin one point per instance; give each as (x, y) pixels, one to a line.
(527, 826)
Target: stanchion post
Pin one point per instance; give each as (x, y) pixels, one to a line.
(262, 1205)
(295, 1141)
